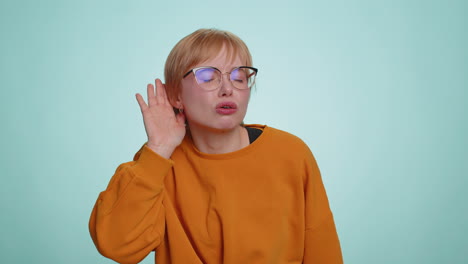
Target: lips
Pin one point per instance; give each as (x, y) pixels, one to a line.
(226, 108)
(231, 105)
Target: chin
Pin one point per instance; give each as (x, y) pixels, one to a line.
(226, 126)
(220, 125)
(230, 123)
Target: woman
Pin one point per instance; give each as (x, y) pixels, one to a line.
(206, 188)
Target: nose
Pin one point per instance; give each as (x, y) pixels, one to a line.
(226, 86)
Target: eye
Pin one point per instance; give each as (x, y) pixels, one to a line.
(239, 75)
(206, 81)
(205, 75)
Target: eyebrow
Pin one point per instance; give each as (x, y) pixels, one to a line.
(191, 70)
(219, 69)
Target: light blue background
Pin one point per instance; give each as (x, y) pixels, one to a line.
(378, 89)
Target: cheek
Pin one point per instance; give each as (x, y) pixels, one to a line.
(187, 93)
(195, 100)
(246, 98)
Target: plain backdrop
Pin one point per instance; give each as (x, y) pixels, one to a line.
(377, 89)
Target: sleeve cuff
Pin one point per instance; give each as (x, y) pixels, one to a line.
(151, 167)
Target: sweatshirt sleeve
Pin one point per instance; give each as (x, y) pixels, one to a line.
(321, 239)
(128, 219)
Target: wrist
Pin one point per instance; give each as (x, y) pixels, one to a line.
(162, 150)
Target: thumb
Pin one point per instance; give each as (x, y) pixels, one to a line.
(181, 118)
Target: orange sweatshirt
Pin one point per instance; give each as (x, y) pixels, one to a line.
(265, 203)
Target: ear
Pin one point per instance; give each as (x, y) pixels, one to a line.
(177, 103)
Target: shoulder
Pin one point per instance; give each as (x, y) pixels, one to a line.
(277, 139)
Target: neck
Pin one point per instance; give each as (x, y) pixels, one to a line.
(219, 141)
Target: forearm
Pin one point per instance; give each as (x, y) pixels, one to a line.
(127, 221)
(322, 245)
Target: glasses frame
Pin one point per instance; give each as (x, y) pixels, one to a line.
(194, 70)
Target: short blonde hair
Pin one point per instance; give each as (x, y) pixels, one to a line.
(197, 47)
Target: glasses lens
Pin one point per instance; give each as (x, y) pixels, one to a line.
(243, 78)
(208, 78)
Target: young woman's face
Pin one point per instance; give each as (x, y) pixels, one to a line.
(220, 109)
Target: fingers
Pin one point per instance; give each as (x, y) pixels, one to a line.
(161, 96)
(141, 102)
(154, 97)
(151, 94)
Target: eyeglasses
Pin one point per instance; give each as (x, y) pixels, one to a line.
(210, 78)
